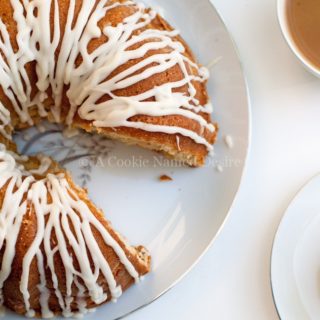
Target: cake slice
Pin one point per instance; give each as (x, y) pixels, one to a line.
(58, 253)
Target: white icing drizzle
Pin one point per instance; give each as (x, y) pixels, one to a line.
(65, 212)
(45, 163)
(160, 10)
(178, 142)
(91, 80)
(5, 122)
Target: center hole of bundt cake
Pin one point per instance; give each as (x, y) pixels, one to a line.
(65, 146)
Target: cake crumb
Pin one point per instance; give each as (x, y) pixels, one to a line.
(164, 178)
(160, 10)
(41, 128)
(26, 137)
(229, 141)
(70, 132)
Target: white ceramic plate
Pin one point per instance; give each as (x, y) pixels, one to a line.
(177, 220)
(295, 267)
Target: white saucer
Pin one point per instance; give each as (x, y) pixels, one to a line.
(295, 266)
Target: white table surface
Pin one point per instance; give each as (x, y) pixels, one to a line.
(232, 281)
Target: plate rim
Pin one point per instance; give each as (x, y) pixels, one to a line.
(242, 176)
(308, 182)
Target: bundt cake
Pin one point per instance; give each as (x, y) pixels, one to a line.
(113, 67)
